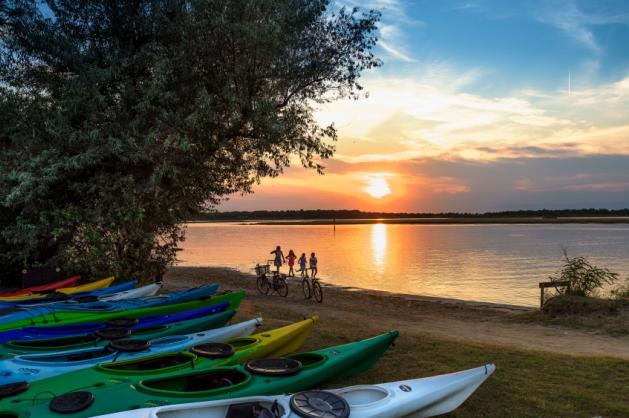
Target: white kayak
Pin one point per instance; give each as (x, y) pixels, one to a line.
(416, 398)
(138, 292)
(32, 367)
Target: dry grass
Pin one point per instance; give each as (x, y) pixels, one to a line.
(526, 384)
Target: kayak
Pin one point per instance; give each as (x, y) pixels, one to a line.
(416, 398)
(32, 367)
(102, 337)
(26, 312)
(275, 342)
(58, 331)
(70, 281)
(138, 292)
(102, 311)
(51, 298)
(269, 376)
(98, 284)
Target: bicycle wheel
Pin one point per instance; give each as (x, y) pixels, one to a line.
(263, 285)
(281, 287)
(305, 286)
(317, 291)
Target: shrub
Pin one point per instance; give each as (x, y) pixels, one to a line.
(583, 278)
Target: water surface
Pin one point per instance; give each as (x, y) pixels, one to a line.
(492, 263)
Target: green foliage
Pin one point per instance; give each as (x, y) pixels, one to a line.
(583, 278)
(120, 120)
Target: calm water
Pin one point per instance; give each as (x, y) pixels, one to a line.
(493, 263)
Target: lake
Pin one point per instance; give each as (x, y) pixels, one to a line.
(491, 263)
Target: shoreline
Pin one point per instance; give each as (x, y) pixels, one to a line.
(450, 319)
(429, 221)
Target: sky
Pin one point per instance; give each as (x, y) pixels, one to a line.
(479, 106)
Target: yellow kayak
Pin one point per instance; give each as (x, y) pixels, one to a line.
(88, 287)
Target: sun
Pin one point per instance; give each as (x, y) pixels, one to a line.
(377, 187)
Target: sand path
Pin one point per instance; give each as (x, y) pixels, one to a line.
(452, 320)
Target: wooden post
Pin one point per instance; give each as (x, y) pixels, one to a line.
(544, 285)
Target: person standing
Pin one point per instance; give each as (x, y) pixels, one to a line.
(313, 265)
(302, 265)
(291, 257)
(279, 258)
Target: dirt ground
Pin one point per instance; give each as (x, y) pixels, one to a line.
(444, 319)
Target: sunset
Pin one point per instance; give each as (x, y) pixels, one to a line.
(479, 106)
(314, 208)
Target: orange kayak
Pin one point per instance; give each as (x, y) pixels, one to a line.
(70, 281)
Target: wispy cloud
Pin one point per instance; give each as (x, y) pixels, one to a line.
(567, 17)
(394, 28)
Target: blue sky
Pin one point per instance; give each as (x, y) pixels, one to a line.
(472, 111)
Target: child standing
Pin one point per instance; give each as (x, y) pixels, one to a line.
(279, 257)
(313, 265)
(302, 265)
(291, 257)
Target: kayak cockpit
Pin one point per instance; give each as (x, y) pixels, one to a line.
(363, 395)
(67, 357)
(56, 344)
(197, 384)
(161, 363)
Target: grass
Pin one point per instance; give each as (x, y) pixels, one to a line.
(607, 316)
(525, 384)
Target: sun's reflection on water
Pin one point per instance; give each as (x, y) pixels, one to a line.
(379, 245)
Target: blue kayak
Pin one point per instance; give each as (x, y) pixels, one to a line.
(16, 313)
(55, 331)
(57, 297)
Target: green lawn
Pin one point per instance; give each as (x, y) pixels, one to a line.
(526, 383)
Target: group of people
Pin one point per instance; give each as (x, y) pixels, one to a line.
(291, 258)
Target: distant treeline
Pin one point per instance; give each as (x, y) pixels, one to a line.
(357, 214)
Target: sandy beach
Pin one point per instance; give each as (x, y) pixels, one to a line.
(472, 322)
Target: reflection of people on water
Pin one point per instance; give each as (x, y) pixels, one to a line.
(291, 257)
(279, 258)
(302, 265)
(313, 265)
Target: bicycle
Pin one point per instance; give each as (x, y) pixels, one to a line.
(312, 287)
(277, 282)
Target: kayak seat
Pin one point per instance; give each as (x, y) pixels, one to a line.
(214, 380)
(249, 410)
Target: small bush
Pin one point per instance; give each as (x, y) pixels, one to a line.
(583, 278)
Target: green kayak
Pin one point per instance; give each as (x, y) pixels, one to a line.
(69, 317)
(79, 397)
(103, 337)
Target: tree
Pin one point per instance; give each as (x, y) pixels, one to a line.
(120, 120)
